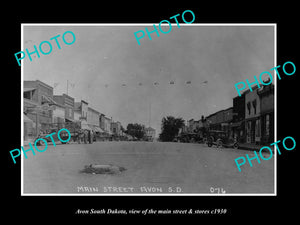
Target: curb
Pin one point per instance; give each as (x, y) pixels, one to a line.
(255, 148)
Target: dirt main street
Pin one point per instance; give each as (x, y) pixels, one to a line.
(151, 168)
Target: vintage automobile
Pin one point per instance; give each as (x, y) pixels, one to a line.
(188, 138)
(220, 139)
(78, 133)
(45, 135)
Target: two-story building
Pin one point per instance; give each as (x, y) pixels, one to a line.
(220, 120)
(105, 124)
(238, 118)
(116, 128)
(68, 103)
(252, 116)
(266, 94)
(38, 99)
(58, 115)
(93, 120)
(150, 133)
(81, 113)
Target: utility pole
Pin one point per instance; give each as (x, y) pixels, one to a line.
(150, 113)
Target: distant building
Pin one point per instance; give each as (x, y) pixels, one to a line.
(81, 113)
(93, 120)
(196, 126)
(93, 117)
(116, 128)
(183, 129)
(105, 124)
(190, 125)
(150, 133)
(58, 116)
(81, 110)
(221, 120)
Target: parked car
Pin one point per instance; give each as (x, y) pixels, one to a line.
(188, 138)
(63, 135)
(221, 139)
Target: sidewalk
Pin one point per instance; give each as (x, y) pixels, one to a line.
(26, 142)
(254, 147)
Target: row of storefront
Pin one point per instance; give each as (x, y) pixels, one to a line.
(43, 111)
(250, 119)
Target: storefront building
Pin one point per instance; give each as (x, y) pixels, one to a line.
(238, 119)
(37, 102)
(252, 116)
(266, 94)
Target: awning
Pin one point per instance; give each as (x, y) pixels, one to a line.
(95, 128)
(108, 132)
(28, 89)
(98, 129)
(71, 120)
(85, 126)
(237, 124)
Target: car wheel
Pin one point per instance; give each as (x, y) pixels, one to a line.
(235, 146)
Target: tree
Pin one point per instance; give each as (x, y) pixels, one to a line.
(170, 127)
(136, 130)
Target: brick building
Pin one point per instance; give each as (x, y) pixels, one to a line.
(221, 120)
(68, 103)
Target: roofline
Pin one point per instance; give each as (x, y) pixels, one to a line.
(65, 95)
(90, 108)
(231, 107)
(39, 82)
(47, 85)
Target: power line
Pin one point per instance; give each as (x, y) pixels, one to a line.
(156, 83)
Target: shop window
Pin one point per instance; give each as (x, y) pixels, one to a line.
(249, 107)
(27, 95)
(257, 128)
(254, 106)
(267, 125)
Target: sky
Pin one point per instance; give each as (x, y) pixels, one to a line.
(106, 67)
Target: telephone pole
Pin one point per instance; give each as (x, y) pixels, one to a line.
(150, 113)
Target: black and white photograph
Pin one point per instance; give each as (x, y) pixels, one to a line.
(148, 109)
